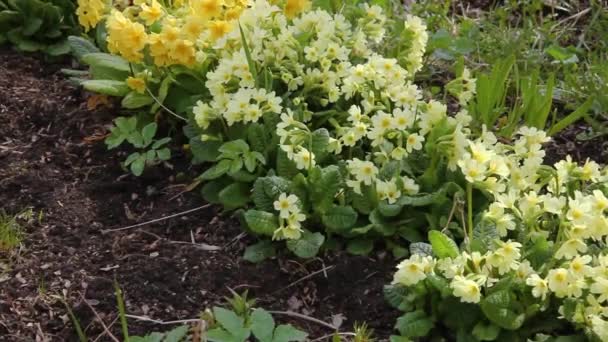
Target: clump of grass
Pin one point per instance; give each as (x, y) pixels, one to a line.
(11, 231)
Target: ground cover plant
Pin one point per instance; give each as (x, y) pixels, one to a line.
(318, 126)
(38, 25)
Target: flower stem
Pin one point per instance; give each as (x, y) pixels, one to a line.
(470, 211)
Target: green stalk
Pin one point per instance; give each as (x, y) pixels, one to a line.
(470, 211)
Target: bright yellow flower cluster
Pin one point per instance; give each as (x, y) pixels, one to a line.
(90, 12)
(176, 35)
(125, 37)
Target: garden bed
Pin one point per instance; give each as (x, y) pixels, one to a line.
(51, 161)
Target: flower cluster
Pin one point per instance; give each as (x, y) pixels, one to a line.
(90, 12)
(566, 212)
(290, 216)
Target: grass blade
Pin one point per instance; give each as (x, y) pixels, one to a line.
(579, 113)
(81, 335)
(252, 68)
(121, 311)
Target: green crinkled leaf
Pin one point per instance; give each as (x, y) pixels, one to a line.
(443, 245)
(285, 167)
(107, 87)
(340, 218)
(397, 296)
(257, 137)
(259, 252)
(235, 195)
(307, 246)
(540, 251)
(267, 189)
(361, 246)
(496, 307)
(484, 234)
(421, 248)
(414, 324)
(365, 202)
(320, 141)
(135, 100)
(261, 222)
(390, 170)
(324, 184)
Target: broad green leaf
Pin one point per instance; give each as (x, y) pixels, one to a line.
(382, 224)
(211, 190)
(228, 319)
(414, 324)
(163, 91)
(235, 195)
(259, 251)
(148, 133)
(287, 333)
(153, 337)
(443, 245)
(307, 246)
(204, 151)
(32, 24)
(216, 170)
(177, 334)
(262, 325)
(163, 154)
(339, 218)
(486, 332)
(107, 87)
(58, 49)
(389, 210)
(261, 222)
(138, 165)
(135, 100)
(360, 246)
(106, 60)
(235, 147)
(81, 46)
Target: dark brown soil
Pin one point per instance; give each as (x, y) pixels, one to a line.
(50, 161)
